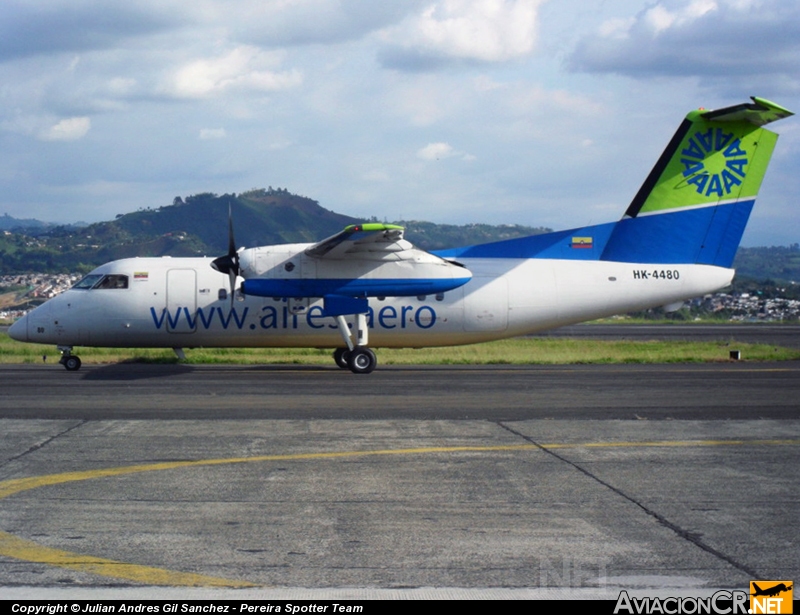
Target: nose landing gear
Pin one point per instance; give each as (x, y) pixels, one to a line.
(71, 362)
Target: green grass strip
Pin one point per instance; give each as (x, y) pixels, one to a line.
(517, 351)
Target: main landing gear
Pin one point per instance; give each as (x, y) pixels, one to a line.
(356, 357)
(360, 360)
(71, 362)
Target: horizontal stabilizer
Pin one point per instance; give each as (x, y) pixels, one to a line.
(759, 113)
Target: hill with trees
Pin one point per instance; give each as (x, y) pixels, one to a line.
(780, 264)
(197, 225)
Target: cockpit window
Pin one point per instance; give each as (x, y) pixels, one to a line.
(94, 280)
(88, 281)
(113, 281)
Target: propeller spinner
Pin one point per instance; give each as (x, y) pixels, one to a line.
(230, 262)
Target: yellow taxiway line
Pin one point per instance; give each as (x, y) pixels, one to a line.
(19, 548)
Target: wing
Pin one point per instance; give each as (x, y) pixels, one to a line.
(364, 260)
(359, 240)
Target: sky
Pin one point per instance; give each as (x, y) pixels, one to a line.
(537, 112)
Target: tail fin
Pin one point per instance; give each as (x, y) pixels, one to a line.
(694, 205)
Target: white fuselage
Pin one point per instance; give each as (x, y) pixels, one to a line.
(183, 302)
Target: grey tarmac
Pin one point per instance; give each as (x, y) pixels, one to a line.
(499, 481)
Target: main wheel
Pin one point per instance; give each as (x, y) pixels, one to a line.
(362, 361)
(340, 356)
(72, 363)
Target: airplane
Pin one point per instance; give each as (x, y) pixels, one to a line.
(368, 286)
(771, 591)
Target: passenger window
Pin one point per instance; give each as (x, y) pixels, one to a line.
(222, 294)
(113, 281)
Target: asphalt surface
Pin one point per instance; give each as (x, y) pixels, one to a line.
(486, 393)
(471, 482)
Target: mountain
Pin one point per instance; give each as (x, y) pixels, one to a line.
(774, 263)
(197, 225)
(8, 223)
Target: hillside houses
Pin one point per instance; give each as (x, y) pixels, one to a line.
(749, 307)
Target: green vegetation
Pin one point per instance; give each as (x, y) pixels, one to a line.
(430, 236)
(194, 226)
(197, 225)
(777, 264)
(519, 351)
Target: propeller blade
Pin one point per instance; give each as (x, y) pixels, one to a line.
(232, 278)
(230, 262)
(231, 240)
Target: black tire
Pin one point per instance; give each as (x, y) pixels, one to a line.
(72, 363)
(340, 355)
(362, 361)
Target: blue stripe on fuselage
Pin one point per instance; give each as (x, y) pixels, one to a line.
(359, 287)
(556, 245)
(706, 235)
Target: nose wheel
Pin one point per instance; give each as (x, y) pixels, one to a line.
(70, 361)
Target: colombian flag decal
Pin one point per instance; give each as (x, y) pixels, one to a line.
(581, 242)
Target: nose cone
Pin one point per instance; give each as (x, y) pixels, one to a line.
(19, 330)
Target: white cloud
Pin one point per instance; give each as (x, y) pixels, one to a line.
(435, 151)
(728, 41)
(660, 18)
(467, 30)
(489, 30)
(70, 129)
(698, 8)
(303, 86)
(244, 68)
(616, 28)
(441, 151)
